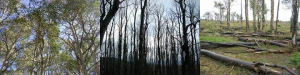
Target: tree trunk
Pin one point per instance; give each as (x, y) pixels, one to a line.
(241, 17)
(258, 17)
(266, 41)
(277, 17)
(294, 23)
(263, 16)
(246, 14)
(142, 43)
(272, 17)
(254, 16)
(228, 14)
(104, 22)
(252, 66)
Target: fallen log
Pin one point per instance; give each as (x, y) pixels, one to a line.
(251, 66)
(289, 38)
(207, 45)
(260, 40)
(255, 49)
(276, 66)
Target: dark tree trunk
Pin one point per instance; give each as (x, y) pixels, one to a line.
(277, 17)
(263, 16)
(104, 22)
(294, 24)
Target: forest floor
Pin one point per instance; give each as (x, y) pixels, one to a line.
(210, 31)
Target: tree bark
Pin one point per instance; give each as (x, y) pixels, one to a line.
(266, 41)
(263, 16)
(228, 14)
(294, 24)
(277, 17)
(104, 22)
(254, 16)
(241, 17)
(207, 45)
(246, 14)
(272, 17)
(257, 68)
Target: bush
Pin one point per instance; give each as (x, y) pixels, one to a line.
(296, 58)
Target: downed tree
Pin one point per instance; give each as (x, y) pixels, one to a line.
(252, 66)
(276, 66)
(260, 40)
(255, 49)
(207, 45)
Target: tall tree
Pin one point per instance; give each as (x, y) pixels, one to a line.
(277, 16)
(246, 14)
(106, 17)
(241, 17)
(253, 6)
(142, 36)
(272, 17)
(294, 24)
(263, 15)
(228, 13)
(221, 8)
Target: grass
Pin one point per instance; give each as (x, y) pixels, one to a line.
(216, 39)
(210, 32)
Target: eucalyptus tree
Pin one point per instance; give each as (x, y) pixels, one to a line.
(228, 4)
(221, 8)
(79, 19)
(9, 47)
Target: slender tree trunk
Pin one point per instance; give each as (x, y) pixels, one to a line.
(258, 10)
(263, 16)
(124, 70)
(254, 16)
(120, 43)
(246, 14)
(277, 17)
(228, 14)
(241, 13)
(272, 17)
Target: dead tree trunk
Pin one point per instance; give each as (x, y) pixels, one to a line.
(252, 66)
(265, 41)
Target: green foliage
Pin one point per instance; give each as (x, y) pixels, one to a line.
(296, 58)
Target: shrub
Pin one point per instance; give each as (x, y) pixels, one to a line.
(296, 58)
